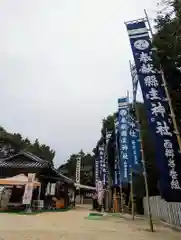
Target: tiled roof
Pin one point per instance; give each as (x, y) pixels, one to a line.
(21, 164)
(28, 160)
(17, 161)
(68, 180)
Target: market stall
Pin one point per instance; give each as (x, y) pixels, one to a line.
(16, 191)
(13, 174)
(19, 179)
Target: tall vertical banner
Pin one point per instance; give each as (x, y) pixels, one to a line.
(108, 174)
(168, 156)
(28, 193)
(134, 131)
(116, 163)
(101, 162)
(134, 80)
(78, 166)
(134, 140)
(104, 166)
(96, 169)
(125, 161)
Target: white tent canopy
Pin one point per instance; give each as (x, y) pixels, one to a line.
(84, 186)
(20, 179)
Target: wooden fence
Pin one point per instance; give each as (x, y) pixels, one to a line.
(164, 211)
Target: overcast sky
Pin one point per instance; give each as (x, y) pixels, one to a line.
(63, 64)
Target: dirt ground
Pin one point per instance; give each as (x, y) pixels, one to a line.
(73, 225)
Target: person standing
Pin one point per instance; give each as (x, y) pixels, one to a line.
(94, 199)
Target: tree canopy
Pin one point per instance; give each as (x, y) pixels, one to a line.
(18, 143)
(167, 41)
(87, 167)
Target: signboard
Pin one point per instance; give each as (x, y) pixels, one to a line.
(100, 192)
(29, 189)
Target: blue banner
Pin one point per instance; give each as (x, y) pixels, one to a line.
(116, 163)
(97, 172)
(125, 158)
(134, 140)
(168, 156)
(101, 162)
(108, 136)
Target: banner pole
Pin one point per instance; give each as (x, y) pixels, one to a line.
(122, 205)
(109, 182)
(144, 167)
(131, 176)
(145, 175)
(166, 91)
(132, 196)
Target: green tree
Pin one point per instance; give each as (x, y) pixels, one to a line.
(167, 41)
(87, 167)
(19, 143)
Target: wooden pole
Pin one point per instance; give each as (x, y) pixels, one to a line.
(144, 167)
(132, 196)
(145, 177)
(122, 204)
(114, 201)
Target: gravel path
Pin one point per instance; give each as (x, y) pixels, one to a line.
(72, 225)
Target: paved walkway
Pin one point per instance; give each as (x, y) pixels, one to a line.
(73, 226)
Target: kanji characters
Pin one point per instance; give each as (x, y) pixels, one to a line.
(125, 155)
(169, 153)
(173, 174)
(157, 109)
(167, 144)
(147, 68)
(144, 57)
(163, 129)
(124, 147)
(171, 163)
(153, 94)
(132, 124)
(123, 140)
(123, 120)
(151, 81)
(155, 99)
(175, 184)
(124, 133)
(123, 126)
